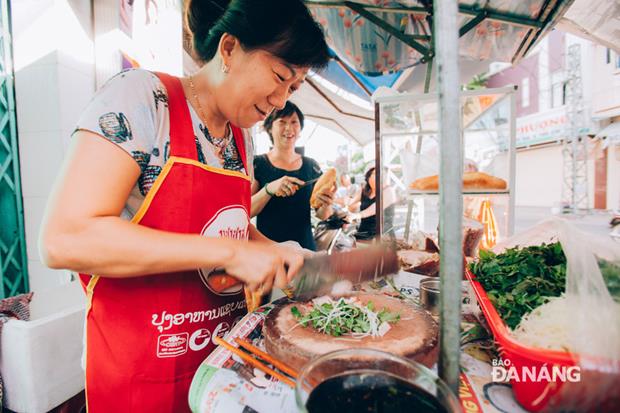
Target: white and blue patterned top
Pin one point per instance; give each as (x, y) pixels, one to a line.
(131, 110)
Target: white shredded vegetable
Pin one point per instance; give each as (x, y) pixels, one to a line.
(547, 326)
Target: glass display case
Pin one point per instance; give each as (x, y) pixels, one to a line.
(407, 162)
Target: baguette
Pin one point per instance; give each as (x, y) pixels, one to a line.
(471, 180)
(327, 180)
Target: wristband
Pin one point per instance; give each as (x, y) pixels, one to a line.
(271, 194)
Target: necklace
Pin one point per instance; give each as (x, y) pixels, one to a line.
(219, 143)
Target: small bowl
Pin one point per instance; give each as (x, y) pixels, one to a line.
(429, 295)
(360, 380)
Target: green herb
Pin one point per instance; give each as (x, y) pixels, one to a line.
(521, 279)
(345, 316)
(611, 274)
(296, 312)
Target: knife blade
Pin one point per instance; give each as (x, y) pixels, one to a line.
(320, 272)
(310, 182)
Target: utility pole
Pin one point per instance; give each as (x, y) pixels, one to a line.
(574, 151)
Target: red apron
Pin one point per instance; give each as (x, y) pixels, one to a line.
(146, 336)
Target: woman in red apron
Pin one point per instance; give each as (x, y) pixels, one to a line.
(152, 207)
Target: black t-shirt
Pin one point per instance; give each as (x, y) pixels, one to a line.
(287, 218)
(368, 225)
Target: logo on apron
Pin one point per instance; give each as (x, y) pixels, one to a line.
(229, 222)
(172, 345)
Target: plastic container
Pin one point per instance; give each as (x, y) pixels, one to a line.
(40, 358)
(540, 394)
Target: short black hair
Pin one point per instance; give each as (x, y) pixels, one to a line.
(288, 109)
(284, 28)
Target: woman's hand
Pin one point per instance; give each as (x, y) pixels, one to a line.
(326, 196)
(285, 186)
(261, 265)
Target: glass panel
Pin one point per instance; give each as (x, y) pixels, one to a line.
(410, 158)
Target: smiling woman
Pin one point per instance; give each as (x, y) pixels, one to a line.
(280, 198)
(154, 199)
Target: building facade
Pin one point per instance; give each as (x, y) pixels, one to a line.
(543, 121)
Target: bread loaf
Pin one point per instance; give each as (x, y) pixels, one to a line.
(327, 180)
(471, 180)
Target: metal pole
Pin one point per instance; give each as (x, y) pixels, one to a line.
(378, 174)
(450, 188)
(512, 151)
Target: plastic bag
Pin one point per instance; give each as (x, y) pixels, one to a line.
(593, 299)
(416, 165)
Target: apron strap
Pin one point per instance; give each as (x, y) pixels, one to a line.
(240, 141)
(182, 139)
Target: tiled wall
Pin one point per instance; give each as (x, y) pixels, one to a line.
(54, 44)
(54, 80)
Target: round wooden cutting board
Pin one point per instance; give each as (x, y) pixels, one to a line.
(414, 336)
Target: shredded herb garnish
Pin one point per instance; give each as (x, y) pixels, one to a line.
(346, 316)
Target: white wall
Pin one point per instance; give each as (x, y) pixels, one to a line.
(539, 177)
(54, 79)
(538, 180)
(606, 85)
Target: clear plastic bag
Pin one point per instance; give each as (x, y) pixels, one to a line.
(416, 165)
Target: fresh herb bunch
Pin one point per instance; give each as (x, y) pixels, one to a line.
(345, 317)
(521, 279)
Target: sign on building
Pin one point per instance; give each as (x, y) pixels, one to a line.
(549, 126)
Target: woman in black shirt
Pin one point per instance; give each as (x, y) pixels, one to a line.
(367, 214)
(281, 204)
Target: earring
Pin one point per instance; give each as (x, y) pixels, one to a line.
(225, 68)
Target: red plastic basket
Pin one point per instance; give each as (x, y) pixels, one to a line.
(531, 394)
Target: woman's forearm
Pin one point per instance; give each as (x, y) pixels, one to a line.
(389, 198)
(259, 200)
(114, 247)
(368, 212)
(354, 206)
(256, 235)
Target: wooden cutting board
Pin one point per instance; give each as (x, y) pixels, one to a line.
(414, 336)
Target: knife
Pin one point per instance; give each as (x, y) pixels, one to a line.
(310, 182)
(321, 271)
